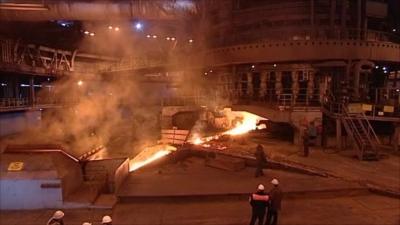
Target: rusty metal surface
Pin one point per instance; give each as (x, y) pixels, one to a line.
(96, 10)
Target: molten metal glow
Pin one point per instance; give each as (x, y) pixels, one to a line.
(149, 155)
(247, 123)
(197, 141)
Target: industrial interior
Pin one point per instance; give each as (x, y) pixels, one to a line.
(120, 106)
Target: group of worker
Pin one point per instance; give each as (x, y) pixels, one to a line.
(58, 219)
(262, 202)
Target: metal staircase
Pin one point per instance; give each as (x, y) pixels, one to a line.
(360, 130)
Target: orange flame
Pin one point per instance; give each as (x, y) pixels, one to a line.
(149, 155)
(248, 123)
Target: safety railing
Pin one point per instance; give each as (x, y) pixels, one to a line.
(134, 63)
(15, 103)
(186, 101)
(295, 34)
(284, 98)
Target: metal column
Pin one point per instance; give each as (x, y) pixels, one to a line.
(338, 134)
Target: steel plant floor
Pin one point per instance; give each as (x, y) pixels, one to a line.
(192, 178)
(310, 200)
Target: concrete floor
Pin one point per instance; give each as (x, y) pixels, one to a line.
(192, 177)
(356, 210)
(342, 164)
(337, 207)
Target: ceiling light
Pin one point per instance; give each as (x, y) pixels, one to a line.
(86, 32)
(154, 36)
(80, 82)
(168, 38)
(138, 26)
(148, 36)
(116, 28)
(92, 34)
(191, 41)
(110, 27)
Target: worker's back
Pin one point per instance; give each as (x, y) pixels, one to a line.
(275, 198)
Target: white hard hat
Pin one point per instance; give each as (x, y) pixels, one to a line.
(86, 223)
(106, 219)
(274, 181)
(58, 214)
(260, 187)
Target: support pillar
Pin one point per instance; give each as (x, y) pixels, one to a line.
(312, 17)
(322, 88)
(278, 84)
(310, 86)
(332, 13)
(338, 134)
(249, 84)
(295, 86)
(344, 12)
(359, 18)
(32, 91)
(263, 84)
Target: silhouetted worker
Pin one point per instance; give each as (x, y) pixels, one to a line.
(106, 220)
(275, 198)
(312, 133)
(306, 142)
(57, 218)
(260, 160)
(258, 202)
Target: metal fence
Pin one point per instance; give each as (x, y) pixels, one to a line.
(15, 103)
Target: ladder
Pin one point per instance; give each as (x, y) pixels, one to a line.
(360, 130)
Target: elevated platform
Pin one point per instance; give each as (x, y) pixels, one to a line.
(294, 116)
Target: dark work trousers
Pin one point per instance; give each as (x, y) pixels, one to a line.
(259, 169)
(272, 217)
(306, 150)
(255, 216)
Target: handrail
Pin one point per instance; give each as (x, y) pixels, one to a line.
(321, 33)
(371, 129)
(353, 127)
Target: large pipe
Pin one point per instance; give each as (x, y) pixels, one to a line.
(97, 10)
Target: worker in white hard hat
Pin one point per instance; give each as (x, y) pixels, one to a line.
(258, 202)
(275, 195)
(106, 220)
(57, 218)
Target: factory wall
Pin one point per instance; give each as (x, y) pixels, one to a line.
(69, 172)
(30, 193)
(15, 122)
